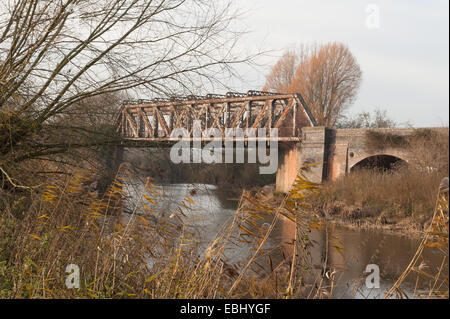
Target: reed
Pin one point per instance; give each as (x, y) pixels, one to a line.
(131, 251)
(405, 196)
(430, 283)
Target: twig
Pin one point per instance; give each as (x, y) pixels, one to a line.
(14, 184)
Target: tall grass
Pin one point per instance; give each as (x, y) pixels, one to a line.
(388, 196)
(435, 281)
(142, 254)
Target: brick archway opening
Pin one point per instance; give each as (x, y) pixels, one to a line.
(379, 162)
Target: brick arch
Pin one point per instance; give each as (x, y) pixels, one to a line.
(398, 156)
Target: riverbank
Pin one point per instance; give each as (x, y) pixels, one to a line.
(405, 227)
(349, 212)
(400, 201)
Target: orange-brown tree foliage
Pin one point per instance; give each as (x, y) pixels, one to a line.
(282, 73)
(327, 76)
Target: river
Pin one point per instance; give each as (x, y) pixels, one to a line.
(390, 253)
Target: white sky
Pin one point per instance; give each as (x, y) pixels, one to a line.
(405, 62)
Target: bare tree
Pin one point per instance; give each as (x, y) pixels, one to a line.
(56, 54)
(328, 77)
(282, 73)
(379, 119)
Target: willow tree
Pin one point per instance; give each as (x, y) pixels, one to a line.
(57, 54)
(328, 76)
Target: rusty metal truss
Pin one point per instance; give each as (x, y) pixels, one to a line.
(154, 120)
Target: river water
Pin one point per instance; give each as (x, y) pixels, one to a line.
(360, 248)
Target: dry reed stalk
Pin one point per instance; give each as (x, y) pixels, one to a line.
(435, 237)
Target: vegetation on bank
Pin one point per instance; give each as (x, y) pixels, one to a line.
(141, 254)
(434, 241)
(401, 199)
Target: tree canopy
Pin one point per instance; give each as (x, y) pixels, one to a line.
(327, 76)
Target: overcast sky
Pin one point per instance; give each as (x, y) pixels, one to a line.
(405, 62)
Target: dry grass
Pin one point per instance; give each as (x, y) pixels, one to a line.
(403, 196)
(376, 140)
(149, 256)
(435, 239)
(143, 255)
(388, 196)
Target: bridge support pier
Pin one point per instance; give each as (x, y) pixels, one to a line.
(111, 157)
(288, 166)
(312, 153)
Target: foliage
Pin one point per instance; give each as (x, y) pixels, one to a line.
(379, 119)
(327, 76)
